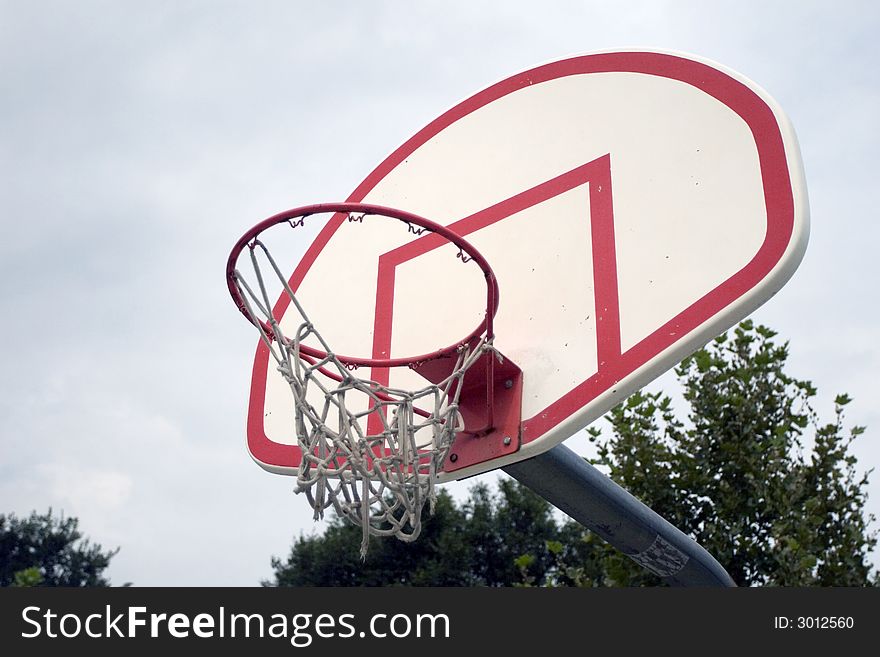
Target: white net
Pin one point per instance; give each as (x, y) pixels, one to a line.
(370, 451)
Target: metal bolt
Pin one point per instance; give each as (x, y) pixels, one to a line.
(507, 440)
(453, 457)
(508, 384)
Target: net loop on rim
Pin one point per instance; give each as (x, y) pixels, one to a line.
(370, 451)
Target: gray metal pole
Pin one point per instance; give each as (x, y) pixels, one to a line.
(577, 488)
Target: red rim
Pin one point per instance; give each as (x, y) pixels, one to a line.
(367, 209)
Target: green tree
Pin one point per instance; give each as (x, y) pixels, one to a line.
(44, 550)
(475, 544)
(27, 577)
(751, 473)
(738, 476)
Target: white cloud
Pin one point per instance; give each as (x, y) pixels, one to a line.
(84, 491)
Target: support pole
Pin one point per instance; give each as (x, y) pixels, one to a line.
(578, 489)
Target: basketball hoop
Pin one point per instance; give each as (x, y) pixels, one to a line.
(371, 451)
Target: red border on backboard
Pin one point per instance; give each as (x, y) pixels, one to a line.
(615, 365)
(598, 214)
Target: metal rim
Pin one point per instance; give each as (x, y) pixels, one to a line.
(368, 209)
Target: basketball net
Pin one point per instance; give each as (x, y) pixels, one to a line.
(370, 451)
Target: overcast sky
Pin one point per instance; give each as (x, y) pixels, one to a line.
(140, 139)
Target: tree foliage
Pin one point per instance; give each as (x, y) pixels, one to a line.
(751, 473)
(45, 550)
(739, 475)
(474, 544)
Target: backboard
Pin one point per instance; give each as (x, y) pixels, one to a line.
(633, 205)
